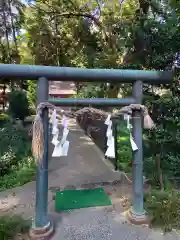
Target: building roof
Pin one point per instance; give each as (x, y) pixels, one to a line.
(59, 87)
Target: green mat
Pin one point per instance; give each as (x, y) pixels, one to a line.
(75, 199)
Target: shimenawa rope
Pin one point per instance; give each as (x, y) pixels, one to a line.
(38, 131)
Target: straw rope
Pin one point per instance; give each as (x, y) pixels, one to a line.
(38, 131)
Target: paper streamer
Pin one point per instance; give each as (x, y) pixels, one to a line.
(133, 144)
(109, 132)
(53, 118)
(55, 130)
(110, 152)
(65, 148)
(108, 120)
(54, 122)
(55, 140)
(111, 149)
(57, 151)
(109, 140)
(61, 147)
(65, 122)
(65, 134)
(129, 127)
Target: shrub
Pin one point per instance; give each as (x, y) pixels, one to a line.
(15, 145)
(164, 140)
(17, 165)
(10, 226)
(18, 104)
(3, 119)
(164, 209)
(18, 174)
(160, 144)
(124, 150)
(31, 95)
(124, 158)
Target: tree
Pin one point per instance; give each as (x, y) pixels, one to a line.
(18, 105)
(11, 17)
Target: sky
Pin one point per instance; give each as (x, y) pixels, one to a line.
(27, 1)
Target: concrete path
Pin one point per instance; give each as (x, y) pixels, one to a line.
(84, 167)
(83, 164)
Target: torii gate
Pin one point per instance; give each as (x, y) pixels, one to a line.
(42, 226)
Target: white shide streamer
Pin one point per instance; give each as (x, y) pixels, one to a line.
(110, 152)
(61, 147)
(129, 127)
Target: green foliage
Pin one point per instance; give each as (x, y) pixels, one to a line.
(10, 226)
(14, 138)
(16, 162)
(124, 158)
(19, 174)
(160, 143)
(164, 209)
(90, 91)
(18, 104)
(153, 147)
(164, 140)
(124, 149)
(31, 94)
(4, 118)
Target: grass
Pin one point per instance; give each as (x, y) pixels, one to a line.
(11, 226)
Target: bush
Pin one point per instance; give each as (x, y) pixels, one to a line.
(31, 95)
(164, 140)
(124, 150)
(17, 165)
(10, 226)
(124, 158)
(18, 174)
(15, 145)
(161, 143)
(164, 209)
(18, 104)
(3, 119)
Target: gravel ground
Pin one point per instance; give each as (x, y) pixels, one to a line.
(104, 224)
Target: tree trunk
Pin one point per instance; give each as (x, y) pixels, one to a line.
(13, 27)
(160, 173)
(6, 30)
